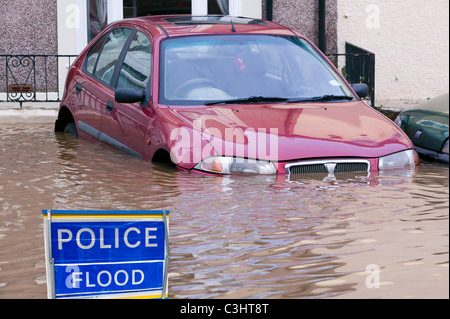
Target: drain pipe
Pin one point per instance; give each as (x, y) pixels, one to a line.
(322, 26)
(269, 10)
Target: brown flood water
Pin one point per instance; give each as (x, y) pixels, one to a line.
(233, 237)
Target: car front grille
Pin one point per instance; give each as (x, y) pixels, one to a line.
(339, 169)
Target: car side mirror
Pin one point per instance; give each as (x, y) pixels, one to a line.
(361, 89)
(128, 95)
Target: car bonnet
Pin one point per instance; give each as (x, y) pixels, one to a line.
(284, 132)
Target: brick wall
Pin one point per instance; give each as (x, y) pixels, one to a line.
(28, 27)
(303, 16)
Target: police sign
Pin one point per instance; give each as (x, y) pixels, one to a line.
(106, 254)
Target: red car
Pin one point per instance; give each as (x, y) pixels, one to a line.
(226, 95)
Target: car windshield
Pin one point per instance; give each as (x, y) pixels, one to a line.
(216, 69)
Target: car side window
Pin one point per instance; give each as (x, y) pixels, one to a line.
(136, 68)
(92, 57)
(109, 54)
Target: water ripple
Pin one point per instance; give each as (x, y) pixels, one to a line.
(232, 237)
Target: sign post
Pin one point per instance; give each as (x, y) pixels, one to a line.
(106, 254)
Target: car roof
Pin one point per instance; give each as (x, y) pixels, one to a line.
(437, 104)
(180, 25)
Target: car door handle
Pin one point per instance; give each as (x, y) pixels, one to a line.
(110, 106)
(78, 88)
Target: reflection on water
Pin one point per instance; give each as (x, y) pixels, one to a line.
(233, 237)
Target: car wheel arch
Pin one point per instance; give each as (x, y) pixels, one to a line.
(64, 117)
(162, 156)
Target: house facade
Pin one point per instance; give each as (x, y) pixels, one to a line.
(409, 38)
(411, 43)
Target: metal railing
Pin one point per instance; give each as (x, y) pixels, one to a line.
(40, 78)
(358, 67)
(33, 78)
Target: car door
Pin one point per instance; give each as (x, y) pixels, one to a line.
(97, 89)
(88, 108)
(126, 123)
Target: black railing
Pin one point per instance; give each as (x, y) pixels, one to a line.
(33, 78)
(39, 78)
(359, 67)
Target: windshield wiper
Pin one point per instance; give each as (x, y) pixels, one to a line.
(262, 99)
(321, 98)
(251, 99)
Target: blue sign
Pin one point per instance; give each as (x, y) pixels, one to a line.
(106, 254)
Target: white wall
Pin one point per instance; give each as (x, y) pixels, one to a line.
(72, 33)
(246, 8)
(72, 26)
(411, 43)
(115, 10)
(199, 7)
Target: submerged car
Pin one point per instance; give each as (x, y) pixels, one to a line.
(427, 126)
(226, 95)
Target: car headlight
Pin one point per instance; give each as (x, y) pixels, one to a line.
(445, 148)
(408, 158)
(235, 165)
